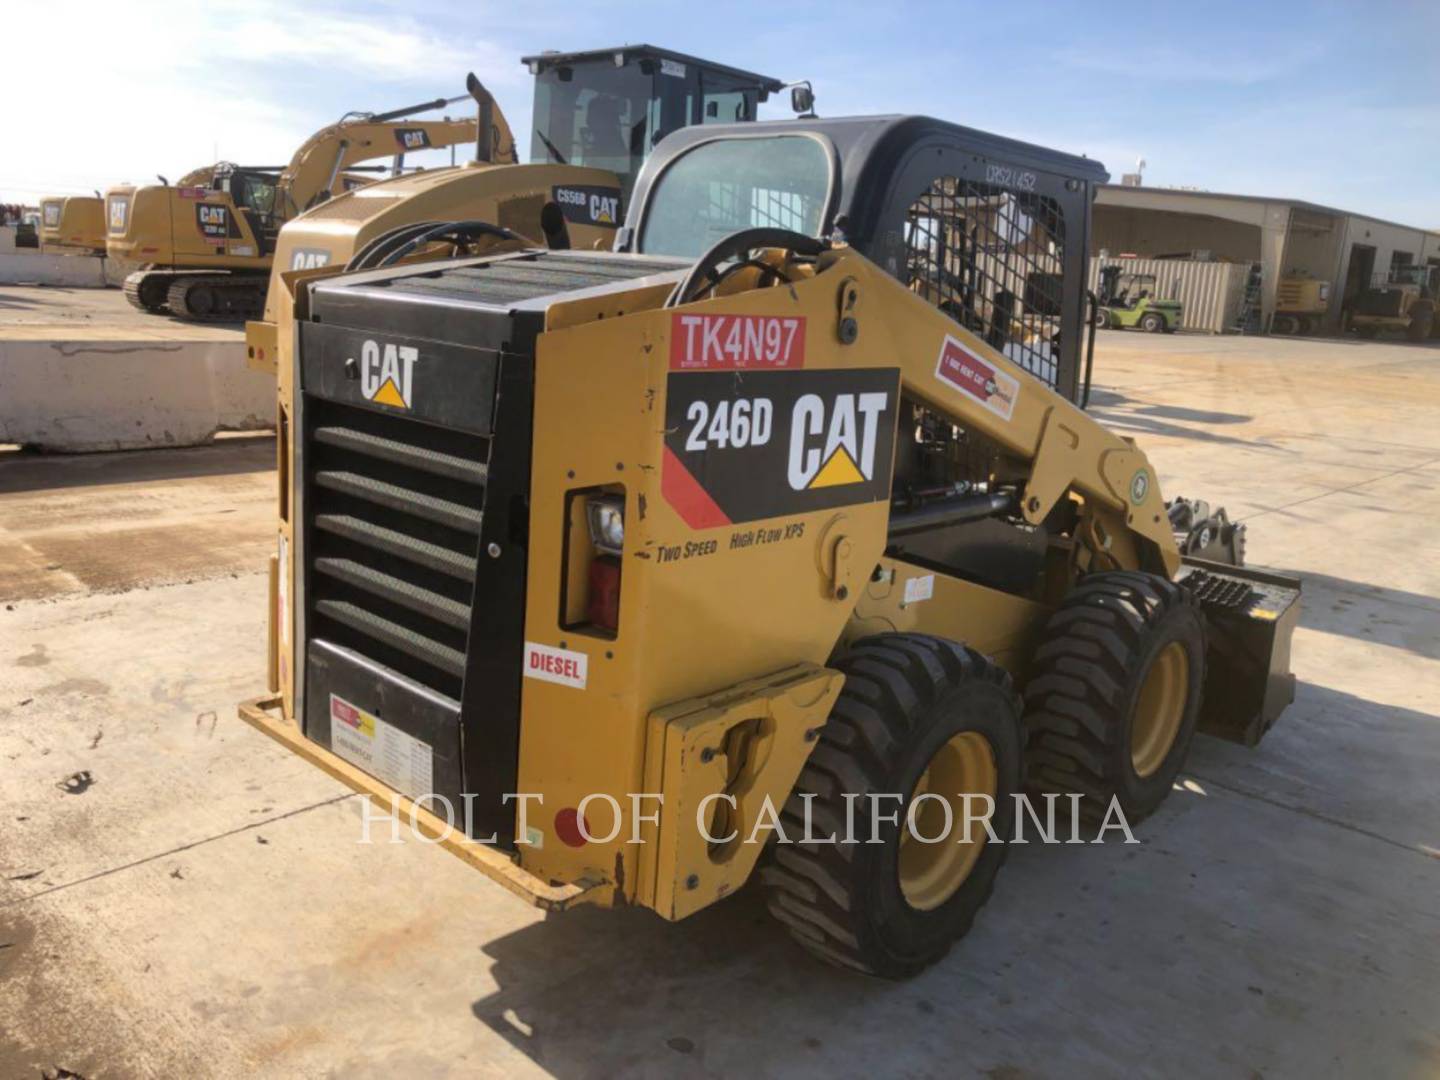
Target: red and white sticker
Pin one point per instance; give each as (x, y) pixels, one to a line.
(192, 192)
(736, 342)
(978, 378)
(556, 665)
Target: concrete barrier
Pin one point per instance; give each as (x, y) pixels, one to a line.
(73, 271)
(79, 396)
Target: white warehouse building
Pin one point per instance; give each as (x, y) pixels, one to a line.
(1278, 238)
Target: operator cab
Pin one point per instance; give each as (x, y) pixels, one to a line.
(607, 108)
(1125, 290)
(252, 190)
(992, 231)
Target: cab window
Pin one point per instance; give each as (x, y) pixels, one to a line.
(606, 122)
(775, 181)
(994, 261)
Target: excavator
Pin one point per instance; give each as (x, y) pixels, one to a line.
(206, 243)
(597, 113)
(741, 552)
(72, 225)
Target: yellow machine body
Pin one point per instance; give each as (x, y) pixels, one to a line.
(72, 225)
(1300, 304)
(199, 224)
(205, 244)
(511, 196)
(725, 632)
(640, 538)
(706, 614)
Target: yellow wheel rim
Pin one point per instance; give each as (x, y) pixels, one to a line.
(932, 873)
(1160, 709)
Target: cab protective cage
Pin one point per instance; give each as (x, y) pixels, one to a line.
(993, 231)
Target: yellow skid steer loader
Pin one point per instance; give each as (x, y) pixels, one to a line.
(775, 530)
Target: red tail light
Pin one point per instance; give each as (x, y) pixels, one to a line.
(603, 609)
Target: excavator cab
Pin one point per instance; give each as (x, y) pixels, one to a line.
(607, 108)
(253, 193)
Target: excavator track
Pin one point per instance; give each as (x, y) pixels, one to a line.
(146, 290)
(216, 297)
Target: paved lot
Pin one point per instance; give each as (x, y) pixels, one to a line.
(180, 897)
(39, 312)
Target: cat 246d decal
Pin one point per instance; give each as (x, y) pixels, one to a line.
(827, 438)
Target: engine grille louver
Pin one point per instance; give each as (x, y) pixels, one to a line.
(395, 509)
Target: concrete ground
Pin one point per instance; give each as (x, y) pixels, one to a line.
(178, 896)
(40, 312)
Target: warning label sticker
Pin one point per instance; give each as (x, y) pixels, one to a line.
(381, 749)
(978, 378)
(919, 588)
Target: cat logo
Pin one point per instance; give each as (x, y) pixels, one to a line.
(588, 204)
(386, 373)
(213, 221)
(827, 437)
(119, 213)
(838, 448)
(604, 209)
(412, 138)
(309, 259)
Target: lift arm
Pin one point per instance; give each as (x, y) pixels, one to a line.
(955, 372)
(317, 165)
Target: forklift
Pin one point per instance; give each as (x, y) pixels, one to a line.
(1129, 301)
(785, 505)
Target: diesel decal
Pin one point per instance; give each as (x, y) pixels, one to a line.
(309, 259)
(562, 666)
(387, 373)
(412, 138)
(586, 204)
(977, 378)
(213, 222)
(773, 443)
(733, 342)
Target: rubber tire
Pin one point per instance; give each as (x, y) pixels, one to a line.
(1085, 681)
(1152, 323)
(904, 696)
(1369, 333)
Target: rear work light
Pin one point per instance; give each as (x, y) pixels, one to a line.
(606, 514)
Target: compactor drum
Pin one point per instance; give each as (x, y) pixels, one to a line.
(776, 528)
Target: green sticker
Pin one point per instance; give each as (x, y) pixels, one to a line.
(1139, 487)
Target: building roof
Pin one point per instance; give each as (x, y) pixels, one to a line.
(1304, 204)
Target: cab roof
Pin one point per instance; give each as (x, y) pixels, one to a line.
(872, 151)
(538, 62)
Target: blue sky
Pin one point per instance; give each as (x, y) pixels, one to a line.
(1338, 103)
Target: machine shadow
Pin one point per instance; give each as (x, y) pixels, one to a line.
(24, 470)
(623, 971)
(1124, 414)
(1372, 613)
